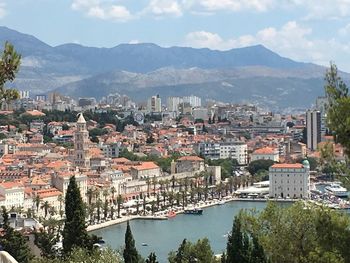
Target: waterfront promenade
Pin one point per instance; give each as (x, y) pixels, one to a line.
(163, 215)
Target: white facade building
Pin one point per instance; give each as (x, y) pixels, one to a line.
(234, 150)
(266, 153)
(11, 194)
(290, 180)
(173, 103)
(193, 100)
(154, 104)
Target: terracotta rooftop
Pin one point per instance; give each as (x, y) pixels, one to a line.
(266, 150)
(145, 166)
(190, 158)
(287, 165)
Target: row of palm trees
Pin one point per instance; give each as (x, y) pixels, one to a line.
(106, 204)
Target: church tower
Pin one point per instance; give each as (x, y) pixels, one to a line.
(81, 144)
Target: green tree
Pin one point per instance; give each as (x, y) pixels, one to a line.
(189, 253)
(299, 233)
(238, 243)
(130, 253)
(74, 233)
(259, 165)
(338, 117)
(9, 66)
(152, 258)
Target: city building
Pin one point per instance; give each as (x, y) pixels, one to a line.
(23, 94)
(154, 104)
(266, 153)
(222, 150)
(313, 128)
(173, 103)
(290, 180)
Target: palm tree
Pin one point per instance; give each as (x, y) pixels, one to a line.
(171, 199)
(154, 181)
(98, 206)
(178, 196)
(186, 182)
(105, 209)
(113, 190)
(173, 181)
(167, 184)
(148, 182)
(153, 206)
(164, 195)
(90, 194)
(45, 206)
(61, 200)
(161, 184)
(112, 212)
(105, 193)
(231, 183)
(119, 203)
(37, 201)
(144, 205)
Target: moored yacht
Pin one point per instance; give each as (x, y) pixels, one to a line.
(336, 190)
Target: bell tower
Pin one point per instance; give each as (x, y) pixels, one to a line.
(81, 144)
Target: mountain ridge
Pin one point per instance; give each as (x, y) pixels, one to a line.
(71, 68)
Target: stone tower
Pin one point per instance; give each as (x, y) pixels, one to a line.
(81, 144)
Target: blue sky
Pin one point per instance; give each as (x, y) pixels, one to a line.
(305, 30)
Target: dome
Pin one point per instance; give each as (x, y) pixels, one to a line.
(306, 163)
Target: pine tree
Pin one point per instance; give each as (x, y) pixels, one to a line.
(74, 232)
(130, 253)
(237, 244)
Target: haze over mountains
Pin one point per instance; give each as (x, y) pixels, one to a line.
(253, 73)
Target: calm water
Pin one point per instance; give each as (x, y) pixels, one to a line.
(165, 235)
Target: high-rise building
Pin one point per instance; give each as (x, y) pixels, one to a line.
(313, 128)
(193, 100)
(81, 144)
(154, 104)
(24, 94)
(322, 106)
(173, 103)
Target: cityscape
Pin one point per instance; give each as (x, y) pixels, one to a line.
(211, 151)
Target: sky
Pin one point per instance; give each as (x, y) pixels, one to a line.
(315, 31)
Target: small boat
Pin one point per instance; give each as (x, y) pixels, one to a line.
(336, 190)
(144, 244)
(193, 211)
(222, 202)
(171, 214)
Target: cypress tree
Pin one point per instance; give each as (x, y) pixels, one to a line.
(257, 254)
(237, 244)
(152, 258)
(74, 232)
(130, 253)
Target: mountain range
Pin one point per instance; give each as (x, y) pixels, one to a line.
(253, 73)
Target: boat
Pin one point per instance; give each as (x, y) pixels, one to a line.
(222, 202)
(336, 190)
(144, 244)
(171, 214)
(193, 211)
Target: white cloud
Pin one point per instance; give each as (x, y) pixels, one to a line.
(102, 9)
(292, 40)
(161, 8)
(2, 9)
(236, 5)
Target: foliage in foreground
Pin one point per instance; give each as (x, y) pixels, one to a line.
(188, 252)
(80, 255)
(299, 234)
